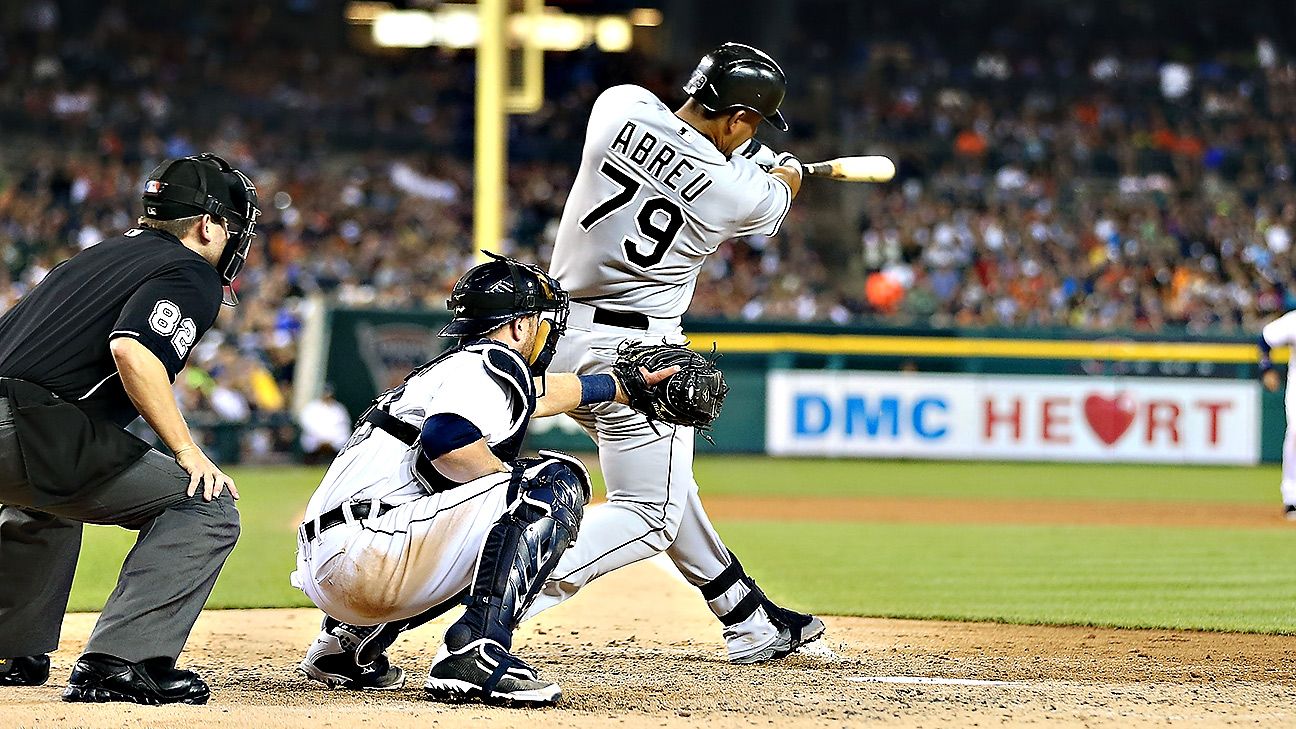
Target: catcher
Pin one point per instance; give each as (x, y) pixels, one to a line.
(429, 505)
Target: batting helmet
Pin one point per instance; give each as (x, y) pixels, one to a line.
(737, 76)
(501, 290)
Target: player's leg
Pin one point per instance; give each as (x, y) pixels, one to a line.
(165, 581)
(649, 477)
(755, 629)
(376, 578)
(38, 555)
(1289, 454)
(521, 549)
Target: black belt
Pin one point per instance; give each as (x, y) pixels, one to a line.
(626, 319)
(338, 516)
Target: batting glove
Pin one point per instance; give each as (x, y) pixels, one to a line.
(787, 159)
(757, 152)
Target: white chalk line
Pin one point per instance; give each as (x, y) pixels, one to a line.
(934, 681)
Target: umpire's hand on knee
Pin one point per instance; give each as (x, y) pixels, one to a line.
(203, 474)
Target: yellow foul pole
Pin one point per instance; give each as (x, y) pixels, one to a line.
(491, 142)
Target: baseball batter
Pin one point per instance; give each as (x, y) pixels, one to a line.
(1282, 333)
(429, 502)
(657, 192)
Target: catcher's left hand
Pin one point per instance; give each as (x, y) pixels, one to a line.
(691, 397)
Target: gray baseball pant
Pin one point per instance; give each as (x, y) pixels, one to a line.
(166, 578)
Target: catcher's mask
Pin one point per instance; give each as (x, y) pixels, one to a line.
(188, 186)
(503, 289)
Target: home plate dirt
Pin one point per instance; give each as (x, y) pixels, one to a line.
(639, 649)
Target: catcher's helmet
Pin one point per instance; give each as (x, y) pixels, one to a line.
(737, 76)
(501, 290)
(188, 186)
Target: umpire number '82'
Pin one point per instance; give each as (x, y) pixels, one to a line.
(658, 219)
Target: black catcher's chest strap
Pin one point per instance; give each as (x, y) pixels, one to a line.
(392, 425)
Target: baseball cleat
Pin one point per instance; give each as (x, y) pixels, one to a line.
(334, 659)
(1289, 512)
(99, 678)
(24, 670)
(795, 630)
(484, 671)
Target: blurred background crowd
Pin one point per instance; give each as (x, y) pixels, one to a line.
(1104, 167)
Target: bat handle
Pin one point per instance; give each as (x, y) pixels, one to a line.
(818, 168)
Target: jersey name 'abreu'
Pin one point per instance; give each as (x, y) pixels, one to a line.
(661, 160)
(653, 198)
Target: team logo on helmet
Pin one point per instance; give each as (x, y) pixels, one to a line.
(695, 82)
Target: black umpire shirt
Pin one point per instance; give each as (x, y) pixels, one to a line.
(143, 284)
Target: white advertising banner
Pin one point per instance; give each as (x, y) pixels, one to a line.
(1001, 417)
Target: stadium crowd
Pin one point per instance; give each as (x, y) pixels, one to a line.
(1131, 187)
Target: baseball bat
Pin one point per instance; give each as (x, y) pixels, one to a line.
(873, 168)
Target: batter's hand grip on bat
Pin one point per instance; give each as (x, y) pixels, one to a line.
(874, 168)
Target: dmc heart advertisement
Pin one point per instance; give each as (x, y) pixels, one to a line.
(992, 417)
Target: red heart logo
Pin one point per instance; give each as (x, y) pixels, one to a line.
(1109, 417)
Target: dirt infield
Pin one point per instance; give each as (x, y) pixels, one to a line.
(638, 648)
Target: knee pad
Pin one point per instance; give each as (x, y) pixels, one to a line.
(554, 485)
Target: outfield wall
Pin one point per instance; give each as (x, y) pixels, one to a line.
(834, 391)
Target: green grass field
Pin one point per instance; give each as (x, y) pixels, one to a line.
(1207, 578)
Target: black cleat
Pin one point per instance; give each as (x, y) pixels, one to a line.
(351, 657)
(24, 670)
(795, 630)
(98, 678)
(484, 671)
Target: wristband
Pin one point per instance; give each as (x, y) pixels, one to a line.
(787, 159)
(178, 451)
(597, 388)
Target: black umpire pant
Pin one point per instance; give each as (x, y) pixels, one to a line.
(164, 582)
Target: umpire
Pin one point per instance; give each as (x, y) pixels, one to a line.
(97, 343)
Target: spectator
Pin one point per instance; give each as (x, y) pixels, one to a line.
(325, 428)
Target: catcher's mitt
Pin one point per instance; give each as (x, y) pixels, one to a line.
(692, 397)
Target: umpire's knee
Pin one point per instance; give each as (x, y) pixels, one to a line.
(219, 518)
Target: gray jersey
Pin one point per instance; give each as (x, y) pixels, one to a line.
(652, 200)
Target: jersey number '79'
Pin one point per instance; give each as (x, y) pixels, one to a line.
(649, 220)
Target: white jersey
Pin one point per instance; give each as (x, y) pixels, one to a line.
(653, 198)
(1281, 332)
(484, 383)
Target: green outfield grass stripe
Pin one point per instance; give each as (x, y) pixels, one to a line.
(863, 344)
(1129, 577)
